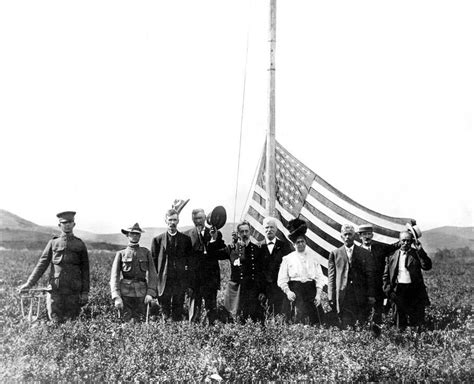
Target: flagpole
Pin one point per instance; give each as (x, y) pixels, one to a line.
(270, 168)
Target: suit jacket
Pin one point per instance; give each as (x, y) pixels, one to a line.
(362, 270)
(380, 252)
(159, 252)
(205, 266)
(415, 262)
(272, 262)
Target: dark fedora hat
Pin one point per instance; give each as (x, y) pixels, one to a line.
(217, 217)
(135, 228)
(296, 227)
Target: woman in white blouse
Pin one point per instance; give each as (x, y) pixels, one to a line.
(300, 276)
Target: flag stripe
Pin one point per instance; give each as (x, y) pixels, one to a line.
(332, 241)
(389, 232)
(397, 220)
(356, 211)
(324, 222)
(340, 219)
(259, 199)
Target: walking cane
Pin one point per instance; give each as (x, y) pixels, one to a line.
(147, 313)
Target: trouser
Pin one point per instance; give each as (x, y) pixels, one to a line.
(276, 300)
(172, 302)
(353, 309)
(210, 304)
(377, 311)
(133, 308)
(249, 305)
(63, 307)
(305, 310)
(409, 308)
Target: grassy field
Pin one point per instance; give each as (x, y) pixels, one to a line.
(100, 348)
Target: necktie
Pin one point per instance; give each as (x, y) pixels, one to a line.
(406, 258)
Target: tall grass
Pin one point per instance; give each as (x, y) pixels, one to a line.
(99, 348)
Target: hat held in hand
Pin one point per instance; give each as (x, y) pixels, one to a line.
(217, 217)
(135, 228)
(296, 227)
(414, 230)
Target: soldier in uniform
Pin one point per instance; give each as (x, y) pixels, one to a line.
(246, 288)
(69, 276)
(133, 279)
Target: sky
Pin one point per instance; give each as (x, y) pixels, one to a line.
(115, 108)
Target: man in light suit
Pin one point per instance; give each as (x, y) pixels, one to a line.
(403, 281)
(208, 248)
(350, 280)
(171, 252)
(274, 250)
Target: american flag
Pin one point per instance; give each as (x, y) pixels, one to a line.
(301, 193)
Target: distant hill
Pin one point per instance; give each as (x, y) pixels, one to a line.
(16, 232)
(150, 233)
(448, 237)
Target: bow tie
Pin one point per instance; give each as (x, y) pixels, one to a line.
(270, 243)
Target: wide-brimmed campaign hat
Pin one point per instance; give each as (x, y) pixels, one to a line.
(217, 217)
(135, 228)
(296, 227)
(414, 229)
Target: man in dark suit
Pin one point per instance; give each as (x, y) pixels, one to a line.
(171, 252)
(208, 248)
(350, 280)
(379, 252)
(403, 281)
(274, 250)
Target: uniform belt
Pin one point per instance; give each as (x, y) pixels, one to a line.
(134, 280)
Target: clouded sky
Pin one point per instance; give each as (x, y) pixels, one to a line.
(116, 108)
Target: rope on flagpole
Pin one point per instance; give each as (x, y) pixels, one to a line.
(241, 121)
